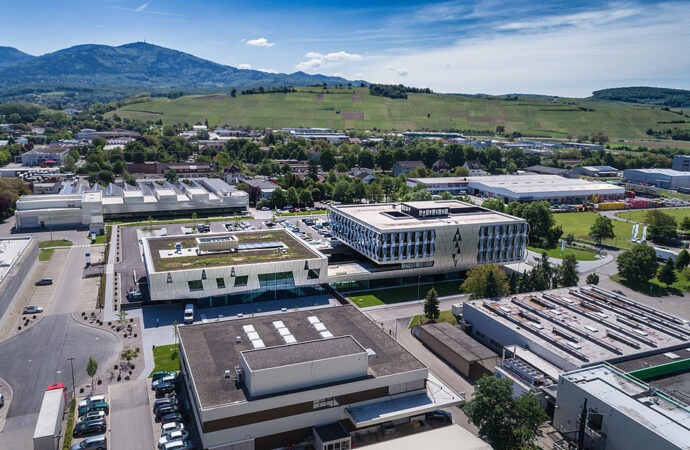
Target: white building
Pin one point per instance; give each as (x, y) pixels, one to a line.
(433, 237)
(78, 206)
(221, 269)
(662, 178)
(550, 188)
(321, 376)
(612, 410)
(439, 185)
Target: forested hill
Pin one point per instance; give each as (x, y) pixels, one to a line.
(674, 98)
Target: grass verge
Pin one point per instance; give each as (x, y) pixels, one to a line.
(579, 223)
(641, 215)
(67, 442)
(318, 212)
(100, 239)
(165, 357)
(100, 302)
(654, 288)
(404, 293)
(580, 255)
(45, 254)
(445, 316)
(55, 243)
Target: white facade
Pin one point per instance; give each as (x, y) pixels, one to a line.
(621, 412)
(662, 178)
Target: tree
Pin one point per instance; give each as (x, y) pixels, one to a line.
(660, 225)
(504, 422)
(292, 196)
(476, 283)
(327, 160)
(682, 260)
(91, 369)
(685, 224)
(495, 204)
(313, 169)
(431, 304)
(667, 273)
(170, 176)
(637, 264)
(194, 218)
(567, 272)
(601, 229)
(593, 278)
(278, 198)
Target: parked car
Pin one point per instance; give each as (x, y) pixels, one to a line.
(177, 435)
(167, 409)
(32, 309)
(92, 415)
(91, 399)
(163, 401)
(166, 379)
(171, 426)
(44, 282)
(439, 416)
(178, 445)
(89, 427)
(99, 442)
(172, 417)
(619, 292)
(155, 376)
(165, 388)
(2, 400)
(95, 406)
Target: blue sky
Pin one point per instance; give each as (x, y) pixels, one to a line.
(556, 47)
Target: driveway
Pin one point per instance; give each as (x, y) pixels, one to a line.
(130, 416)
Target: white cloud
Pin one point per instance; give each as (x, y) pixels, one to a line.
(142, 7)
(244, 66)
(398, 72)
(316, 59)
(260, 42)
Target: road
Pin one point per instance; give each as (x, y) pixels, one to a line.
(37, 356)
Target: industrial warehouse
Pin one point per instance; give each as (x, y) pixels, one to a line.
(322, 376)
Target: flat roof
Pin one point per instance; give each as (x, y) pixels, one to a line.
(635, 400)
(374, 215)
(294, 249)
(541, 184)
(211, 348)
(465, 346)
(440, 180)
(10, 251)
(301, 352)
(452, 436)
(585, 325)
(669, 172)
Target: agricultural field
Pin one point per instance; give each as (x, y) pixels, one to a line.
(353, 108)
(579, 223)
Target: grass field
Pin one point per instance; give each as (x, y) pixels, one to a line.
(655, 288)
(45, 254)
(579, 223)
(641, 215)
(446, 316)
(342, 109)
(55, 243)
(165, 357)
(404, 294)
(580, 255)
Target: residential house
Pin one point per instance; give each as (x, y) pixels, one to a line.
(474, 168)
(440, 166)
(405, 167)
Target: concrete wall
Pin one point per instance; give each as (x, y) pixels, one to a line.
(15, 280)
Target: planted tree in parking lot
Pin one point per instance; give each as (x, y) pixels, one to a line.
(682, 260)
(91, 369)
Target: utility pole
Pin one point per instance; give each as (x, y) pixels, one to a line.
(71, 363)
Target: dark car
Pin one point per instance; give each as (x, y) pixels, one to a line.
(99, 442)
(89, 427)
(619, 292)
(94, 406)
(163, 402)
(167, 409)
(439, 416)
(172, 417)
(164, 388)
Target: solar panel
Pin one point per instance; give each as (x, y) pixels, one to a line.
(253, 335)
(313, 319)
(261, 245)
(248, 328)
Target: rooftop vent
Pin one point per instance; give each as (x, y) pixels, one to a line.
(227, 373)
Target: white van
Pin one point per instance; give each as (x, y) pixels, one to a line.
(189, 313)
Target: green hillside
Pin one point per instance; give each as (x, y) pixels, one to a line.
(344, 108)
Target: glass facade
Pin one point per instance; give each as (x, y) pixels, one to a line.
(501, 243)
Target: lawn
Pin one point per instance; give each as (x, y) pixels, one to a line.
(100, 239)
(654, 288)
(404, 294)
(446, 316)
(580, 255)
(316, 212)
(55, 243)
(641, 215)
(354, 108)
(45, 254)
(579, 223)
(166, 357)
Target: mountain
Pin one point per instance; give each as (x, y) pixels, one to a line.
(674, 98)
(138, 67)
(10, 56)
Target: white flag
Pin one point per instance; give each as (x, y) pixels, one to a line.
(563, 245)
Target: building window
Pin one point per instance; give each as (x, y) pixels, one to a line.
(241, 280)
(313, 274)
(221, 283)
(329, 402)
(195, 285)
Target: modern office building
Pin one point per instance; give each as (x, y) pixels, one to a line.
(221, 269)
(431, 237)
(604, 408)
(681, 163)
(661, 178)
(78, 206)
(439, 185)
(321, 376)
(550, 188)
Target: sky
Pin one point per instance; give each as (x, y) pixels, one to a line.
(555, 47)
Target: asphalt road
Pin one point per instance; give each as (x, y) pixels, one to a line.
(130, 419)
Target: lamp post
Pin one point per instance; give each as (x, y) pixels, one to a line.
(419, 277)
(71, 363)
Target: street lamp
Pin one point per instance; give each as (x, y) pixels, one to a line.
(71, 363)
(419, 277)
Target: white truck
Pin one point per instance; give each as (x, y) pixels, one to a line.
(665, 253)
(50, 417)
